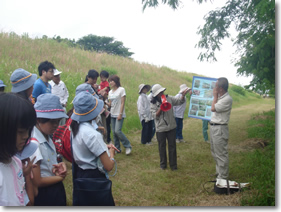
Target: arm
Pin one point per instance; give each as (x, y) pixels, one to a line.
(123, 99)
(44, 181)
(215, 100)
(107, 163)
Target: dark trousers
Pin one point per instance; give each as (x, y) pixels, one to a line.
(146, 132)
(179, 122)
(172, 148)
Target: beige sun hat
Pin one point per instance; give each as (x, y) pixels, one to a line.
(141, 86)
(183, 87)
(157, 89)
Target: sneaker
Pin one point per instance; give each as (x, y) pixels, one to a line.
(178, 141)
(182, 141)
(149, 144)
(128, 151)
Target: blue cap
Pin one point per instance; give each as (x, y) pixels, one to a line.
(86, 107)
(22, 80)
(48, 106)
(2, 84)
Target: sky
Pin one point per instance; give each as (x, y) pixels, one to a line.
(159, 36)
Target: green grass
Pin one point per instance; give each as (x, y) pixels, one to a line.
(139, 180)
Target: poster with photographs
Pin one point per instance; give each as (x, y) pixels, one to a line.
(201, 98)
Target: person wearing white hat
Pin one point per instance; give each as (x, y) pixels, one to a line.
(59, 89)
(165, 125)
(17, 119)
(179, 114)
(48, 174)
(145, 116)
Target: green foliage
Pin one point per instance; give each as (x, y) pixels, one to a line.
(255, 22)
(261, 164)
(238, 89)
(104, 44)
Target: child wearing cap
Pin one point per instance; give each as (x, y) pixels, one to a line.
(22, 83)
(48, 174)
(2, 86)
(146, 120)
(42, 85)
(165, 125)
(92, 158)
(17, 119)
(179, 114)
(59, 89)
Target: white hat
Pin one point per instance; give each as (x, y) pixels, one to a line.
(141, 86)
(183, 87)
(156, 89)
(56, 72)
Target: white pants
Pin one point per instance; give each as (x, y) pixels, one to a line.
(219, 143)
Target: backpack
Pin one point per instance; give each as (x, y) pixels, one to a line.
(61, 139)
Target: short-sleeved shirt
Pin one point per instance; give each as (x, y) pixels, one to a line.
(46, 152)
(103, 85)
(12, 182)
(40, 87)
(87, 146)
(223, 109)
(115, 98)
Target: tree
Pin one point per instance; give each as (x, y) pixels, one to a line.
(254, 21)
(104, 44)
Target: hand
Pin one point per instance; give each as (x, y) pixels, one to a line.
(185, 91)
(111, 146)
(119, 117)
(60, 169)
(146, 119)
(27, 166)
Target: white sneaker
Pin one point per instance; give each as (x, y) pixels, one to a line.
(182, 141)
(149, 143)
(178, 140)
(128, 151)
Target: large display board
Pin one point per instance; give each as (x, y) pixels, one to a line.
(201, 98)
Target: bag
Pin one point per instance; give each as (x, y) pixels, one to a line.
(92, 192)
(61, 139)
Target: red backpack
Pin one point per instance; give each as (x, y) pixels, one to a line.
(61, 139)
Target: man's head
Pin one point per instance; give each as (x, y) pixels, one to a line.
(92, 76)
(56, 77)
(222, 84)
(46, 69)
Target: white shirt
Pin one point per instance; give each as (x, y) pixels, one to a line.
(12, 182)
(223, 109)
(87, 146)
(179, 110)
(60, 90)
(115, 98)
(144, 107)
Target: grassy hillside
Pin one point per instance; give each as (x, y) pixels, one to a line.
(139, 180)
(23, 52)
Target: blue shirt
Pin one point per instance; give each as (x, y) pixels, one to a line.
(41, 87)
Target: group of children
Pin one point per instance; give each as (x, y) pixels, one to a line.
(30, 173)
(30, 115)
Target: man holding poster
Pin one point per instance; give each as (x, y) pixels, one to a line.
(221, 108)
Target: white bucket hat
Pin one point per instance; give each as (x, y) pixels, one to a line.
(141, 86)
(183, 87)
(156, 89)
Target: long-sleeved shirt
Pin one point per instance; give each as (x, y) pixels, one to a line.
(143, 104)
(60, 90)
(179, 110)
